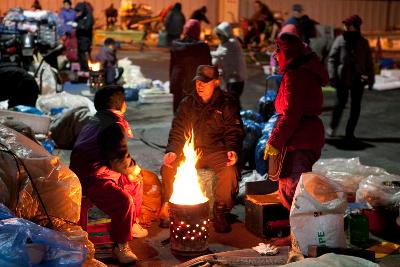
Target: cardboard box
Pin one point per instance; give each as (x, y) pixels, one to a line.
(264, 211)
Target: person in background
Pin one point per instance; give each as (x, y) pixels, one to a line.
(36, 5)
(229, 59)
(109, 176)
(258, 23)
(108, 58)
(111, 16)
(200, 15)
(218, 135)
(297, 139)
(84, 33)
(68, 16)
(350, 68)
(174, 23)
(304, 25)
(186, 55)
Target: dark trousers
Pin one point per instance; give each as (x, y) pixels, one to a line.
(342, 94)
(121, 202)
(295, 163)
(226, 186)
(111, 76)
(83, 57)
(235, 89)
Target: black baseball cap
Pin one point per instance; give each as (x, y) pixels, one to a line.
(206, 73)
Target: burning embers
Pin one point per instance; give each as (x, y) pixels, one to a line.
(189, 208)
(96, 76)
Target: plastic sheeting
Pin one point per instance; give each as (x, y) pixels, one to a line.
(23, 243)
(252, 132)
(317, 212)
(261, 164)
(266, 104)
(57, 185)
(333, 260)
(133, 76)
(379, 190)
(63, 100)
(251, 115)
(346, 172)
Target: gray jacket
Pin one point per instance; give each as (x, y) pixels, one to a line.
(348, 66)
(229, 57)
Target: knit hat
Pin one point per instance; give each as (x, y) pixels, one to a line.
(353, 20)
(206, 73)
(192, 29)
(224, 28)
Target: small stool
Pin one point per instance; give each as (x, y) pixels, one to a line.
(86, 204)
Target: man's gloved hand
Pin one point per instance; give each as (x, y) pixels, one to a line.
(232, 158)
(270, 151)
(169, 158)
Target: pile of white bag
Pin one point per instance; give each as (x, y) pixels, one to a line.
(372, 186)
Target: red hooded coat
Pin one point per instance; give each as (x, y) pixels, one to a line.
(299, 99)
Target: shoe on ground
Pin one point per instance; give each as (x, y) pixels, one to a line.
(138, 231)
(124, 254)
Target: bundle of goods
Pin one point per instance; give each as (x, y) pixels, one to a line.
(38, 187)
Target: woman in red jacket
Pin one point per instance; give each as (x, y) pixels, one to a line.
(299, 131)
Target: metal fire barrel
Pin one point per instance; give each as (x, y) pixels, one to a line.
(189, 229)
(96, 80)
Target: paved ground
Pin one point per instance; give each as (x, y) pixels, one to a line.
(378, 129)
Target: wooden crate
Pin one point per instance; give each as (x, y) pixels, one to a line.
(264, 210)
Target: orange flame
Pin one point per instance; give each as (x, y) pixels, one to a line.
(94, 66)
(186, 189)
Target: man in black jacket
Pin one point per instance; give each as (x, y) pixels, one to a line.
(350, 69)
(218, 134)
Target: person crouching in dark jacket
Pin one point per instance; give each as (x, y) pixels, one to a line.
(84, 33)
(214, 117)
(350, 70)
(109, 176)
(298, 131)
(186, 55)
(108, 58)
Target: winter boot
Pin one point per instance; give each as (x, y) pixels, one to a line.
(221, 224)
(124, 253)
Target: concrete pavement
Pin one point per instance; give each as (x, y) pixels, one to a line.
(378, 127)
